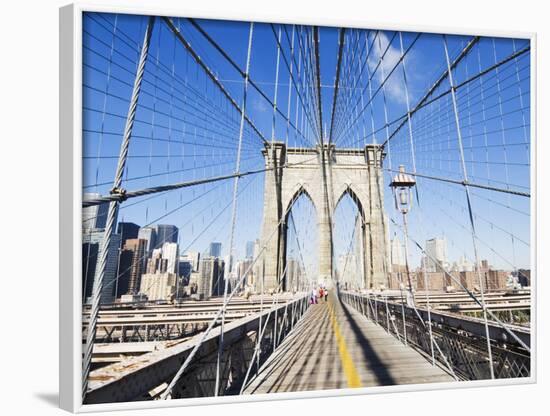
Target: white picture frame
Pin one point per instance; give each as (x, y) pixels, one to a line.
(70, 205)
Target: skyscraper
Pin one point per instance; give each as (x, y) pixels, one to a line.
(215, 249)
(193, 258)
(171, 255)
(397, 257)
(148, 234)
(166, 233)
(250, 249)
(91, 252)
(156, 264)
(127, 230)
(94, 216)
(131, 266)
(436, 253)
(160, 286)
(210, 281)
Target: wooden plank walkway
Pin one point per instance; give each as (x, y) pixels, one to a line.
(335, 347)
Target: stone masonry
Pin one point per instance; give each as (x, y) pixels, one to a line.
(356, 172)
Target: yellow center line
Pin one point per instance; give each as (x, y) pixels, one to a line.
(352, 376)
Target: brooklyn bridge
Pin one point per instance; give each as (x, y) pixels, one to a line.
(279, 208)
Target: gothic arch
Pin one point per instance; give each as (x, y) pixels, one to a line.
(365, 261)
(348, 190)
(352, 172)
(300, 189)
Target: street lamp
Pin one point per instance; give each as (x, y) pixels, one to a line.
(401, 186)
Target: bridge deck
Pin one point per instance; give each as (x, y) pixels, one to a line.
(334, 347)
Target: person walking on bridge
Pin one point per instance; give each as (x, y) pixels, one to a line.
(325, 292)
(313, 299)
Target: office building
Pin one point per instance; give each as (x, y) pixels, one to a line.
(148, 234)
(184, 270)
(250, 249)
(131, 266)
(436, 253)
(159, 286)
(294, 274)
(171, 255)
(463, 265)
(127, 230)
(156, 264)
(95, 216)
(166, 234)
(91, 252)
(397, 257)
(210, 280)
(193, 258)
(215, 249)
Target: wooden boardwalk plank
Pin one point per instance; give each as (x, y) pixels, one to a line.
(334, 347)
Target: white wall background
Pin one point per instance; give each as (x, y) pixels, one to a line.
(29, 208)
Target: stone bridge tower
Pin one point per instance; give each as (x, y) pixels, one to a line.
(356, 172)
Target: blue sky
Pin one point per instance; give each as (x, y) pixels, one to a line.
(185, 129)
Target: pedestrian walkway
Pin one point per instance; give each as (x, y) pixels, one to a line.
(335, 347)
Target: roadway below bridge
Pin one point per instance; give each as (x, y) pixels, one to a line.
(334, 347)
(122, 323)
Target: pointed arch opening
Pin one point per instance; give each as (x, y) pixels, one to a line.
(300, 240)
(350, 241)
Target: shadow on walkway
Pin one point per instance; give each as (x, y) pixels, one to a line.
(371, 359)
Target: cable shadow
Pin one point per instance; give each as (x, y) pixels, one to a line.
(372, 360)
(282, 358)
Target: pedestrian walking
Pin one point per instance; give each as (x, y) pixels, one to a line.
(313, 299)
(326, 295)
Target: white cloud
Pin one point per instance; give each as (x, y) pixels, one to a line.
(394, 86)
(260, 105)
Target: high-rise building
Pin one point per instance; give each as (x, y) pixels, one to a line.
(127, 230)
(210, 282)
(293, 274)
(131, 266)
(215, 249)
(95, 216)
(171, 255)
(397, 257)
(148, 234)
(159, 286)
(156, 264)
(464, 265)
(166, 233)
(185, 269)
(436, 253)
(242, 267)
(250, 249)
(193, 258)
(91, 251)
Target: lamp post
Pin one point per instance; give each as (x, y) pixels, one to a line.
(401, 185)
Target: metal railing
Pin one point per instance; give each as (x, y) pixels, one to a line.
(461, 345)
(147, 376)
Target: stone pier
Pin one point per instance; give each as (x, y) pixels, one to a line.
(356, 172)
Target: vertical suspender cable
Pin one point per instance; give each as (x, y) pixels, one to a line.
(290, 87)
(113, 208)
(413, 159)
(276, 87)
(234, 208)
(470, 210)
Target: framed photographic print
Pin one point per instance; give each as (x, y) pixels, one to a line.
(278, 209)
